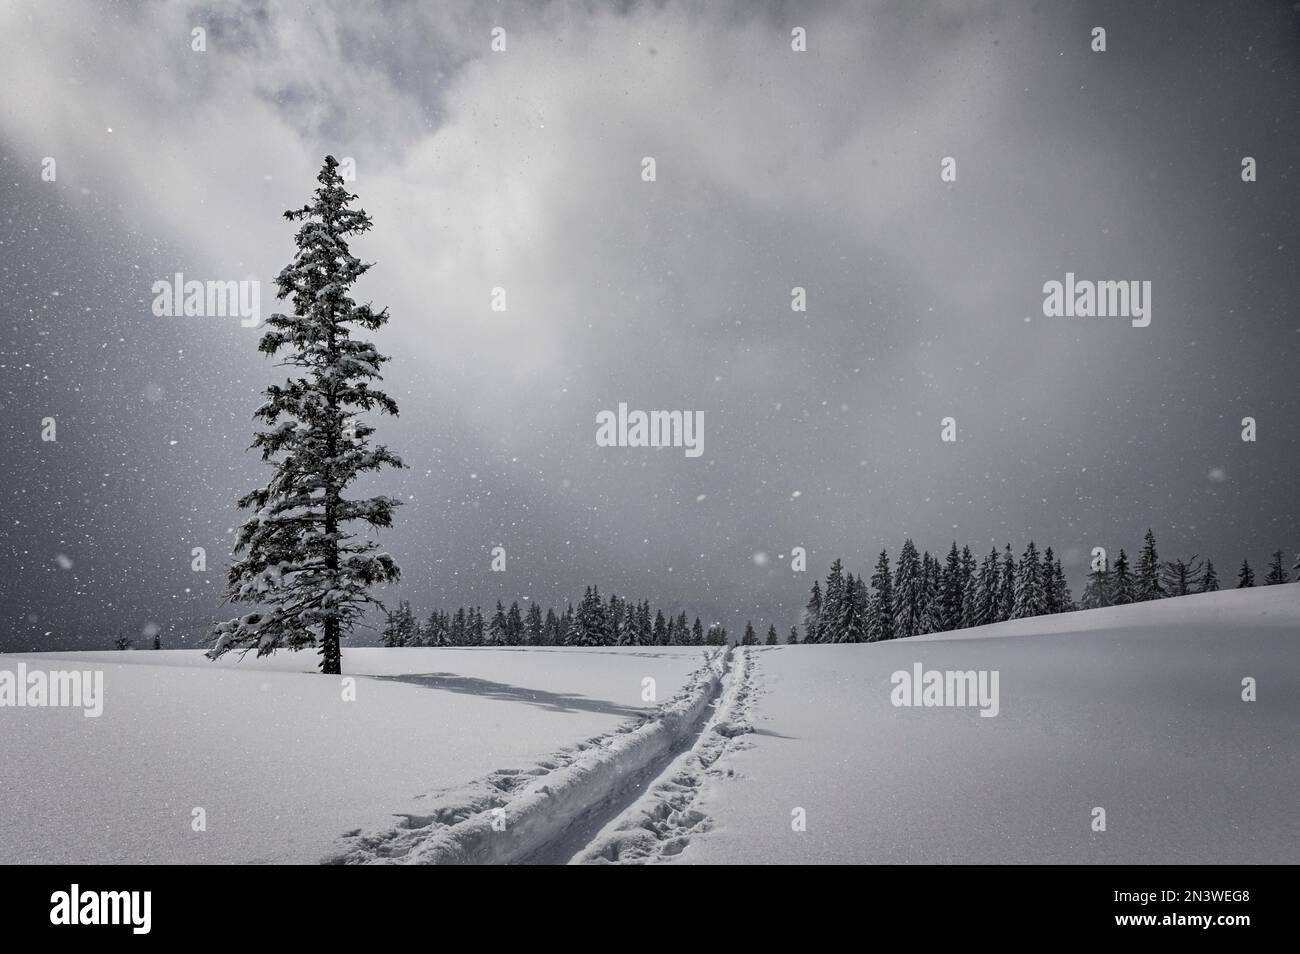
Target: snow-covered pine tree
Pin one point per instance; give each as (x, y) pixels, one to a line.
(411, 634)
(1064, 598)
(1007, 586)
(1097, 591)
(1246, 575)
(1276, 570)
(1122, 590)
(514, 626)
(771, 635)
(496, 634)
(907, 592)
(832, 614)
(969, 568)
(625, 624)
(1210, 580)
(614, 614)
(565, 630)
(439, 629)
(793, 638)
(1051, 599)
(985, 608)
(812, 614)
(932, 599)
(750, 638)
(659, 635)
(880, 624)
(296, 558)
(391, 634)
(644, 626)
(953, 584)
(1147, 583)
(697, 633)
(589, 624)
(853, 618)
(954, 589)
(1029, 585)
(533, 624)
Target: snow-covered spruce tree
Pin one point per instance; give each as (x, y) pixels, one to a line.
(812, 614)
(1064, 598)
(954, 588)
(853, 611)
(907, 592)
(771, 635)
(1007, 587)
(1245, 576)
(986, 591)
(931, 594)
(750, 638)
(1051, 599)
(1097, 592)
(1122, 590)
(659, 633)
(296, 557)
(496, 633)
(1029, 585)
(832, 614)
(1276, 570)
(1147, 582)
(1210, 581)
(514, 626)
(969, 567)
(881, 623)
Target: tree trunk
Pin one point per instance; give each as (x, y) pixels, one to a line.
(331, 656)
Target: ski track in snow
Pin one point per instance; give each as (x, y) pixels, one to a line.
(659, 825)
(542, 813)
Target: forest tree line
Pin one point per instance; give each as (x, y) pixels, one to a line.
(919, 594)
(596, 622)
(925, 595)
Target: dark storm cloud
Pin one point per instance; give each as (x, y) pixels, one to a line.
(775, 169)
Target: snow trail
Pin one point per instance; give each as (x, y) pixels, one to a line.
(659, 825)
(544, 814)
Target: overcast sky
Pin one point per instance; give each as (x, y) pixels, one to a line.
(522, 169)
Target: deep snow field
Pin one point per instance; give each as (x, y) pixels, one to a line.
(1135, 709)
(282, 766)
(497, 755)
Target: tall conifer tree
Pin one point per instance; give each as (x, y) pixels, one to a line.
(298, 559)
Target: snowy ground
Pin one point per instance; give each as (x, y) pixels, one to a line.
(532, 755)
(1137, 710)
(282, 766)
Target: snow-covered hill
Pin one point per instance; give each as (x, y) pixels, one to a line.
(282, 766)
(762, 754)
(1137, 710)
